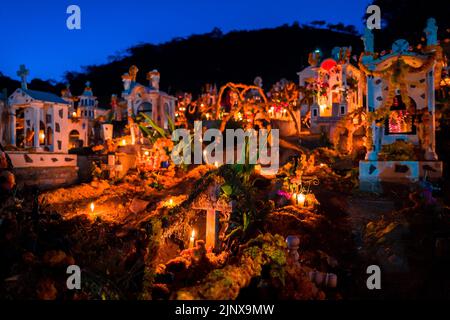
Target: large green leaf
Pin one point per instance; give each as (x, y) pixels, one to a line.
(245, 221)
(171, 124)
(152, 123)
(227, 189)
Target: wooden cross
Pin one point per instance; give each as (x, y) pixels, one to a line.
(210, 202)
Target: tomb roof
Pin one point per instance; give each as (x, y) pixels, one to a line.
(44, 96)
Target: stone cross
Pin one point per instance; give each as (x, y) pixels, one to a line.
(431, 32)
(213, 205)
(23, 72)
(368, 40)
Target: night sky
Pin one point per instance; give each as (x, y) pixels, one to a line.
(35, 32)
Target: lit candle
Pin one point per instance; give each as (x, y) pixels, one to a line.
(192, 239)
(207, 116)
(294, 198)
(41, 136)
(216, 164)
(171, 202)
(92, 207)
(146, 153)
(124, 142)
(301, 199)
(74, 114)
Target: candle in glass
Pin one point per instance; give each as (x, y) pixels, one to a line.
(192, 239)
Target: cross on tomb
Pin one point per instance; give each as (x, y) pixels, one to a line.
(23, 72)
(214, 206)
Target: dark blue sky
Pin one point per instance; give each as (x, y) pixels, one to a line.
(35, 32)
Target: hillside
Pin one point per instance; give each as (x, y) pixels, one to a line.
(187, 64)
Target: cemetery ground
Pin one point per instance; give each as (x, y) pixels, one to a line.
(132, 244)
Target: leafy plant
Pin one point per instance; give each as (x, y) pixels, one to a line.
(152, 123)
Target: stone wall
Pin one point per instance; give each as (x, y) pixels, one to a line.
(23, 159)
(46, 177)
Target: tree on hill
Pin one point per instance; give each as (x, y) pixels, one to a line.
(238, 56)
(406, 19)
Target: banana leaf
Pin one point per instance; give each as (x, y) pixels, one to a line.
(152, 123)
(171, 124)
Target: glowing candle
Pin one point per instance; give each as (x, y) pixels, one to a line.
(216, 164)
(41, 137)
(146, 153)
(124, 142)
(92, 207)
(74, 114)
(207, 116)
(301, 199)
(192, 239)
(294, 198)
(171, 202)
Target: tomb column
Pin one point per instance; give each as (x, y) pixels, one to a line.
(12, 124)
(37, 122)
(430, 153)
(373, 153)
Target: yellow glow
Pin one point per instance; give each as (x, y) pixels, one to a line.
(171, 202)
(146, 153)
(124, 142)
(92, 207)
(74, 114)
(41, 136)
(216, 164)
(192, 239)
(301, 199)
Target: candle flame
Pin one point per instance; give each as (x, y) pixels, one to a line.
(301, 197)
(193, 234)
(92, 206)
